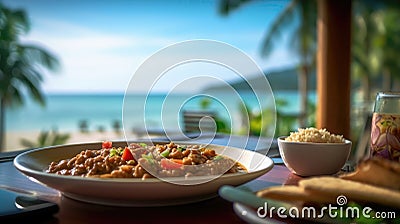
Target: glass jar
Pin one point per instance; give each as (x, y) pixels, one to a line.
(385, 129)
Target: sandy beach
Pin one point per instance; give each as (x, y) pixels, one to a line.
(13, 139)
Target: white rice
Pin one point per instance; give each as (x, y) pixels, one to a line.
(314, 135)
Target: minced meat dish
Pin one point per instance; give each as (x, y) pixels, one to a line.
(140, 160)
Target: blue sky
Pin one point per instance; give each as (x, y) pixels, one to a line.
(101, 43)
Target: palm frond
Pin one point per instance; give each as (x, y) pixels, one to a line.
(43, 137)
(27, 143)
(13, 23)
(25, 68)
(39, 55)
(22, 73)
(13, 96)
(307, 28)
(60, 138)
(24, 77)
(46, 138)
(274, 33)
(227, 6)
(33, 88)
(21, 20)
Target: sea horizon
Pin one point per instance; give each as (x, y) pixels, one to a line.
(64, 111)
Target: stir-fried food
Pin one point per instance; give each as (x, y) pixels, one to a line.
(146, 161)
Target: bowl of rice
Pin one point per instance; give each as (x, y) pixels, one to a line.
(313, 152)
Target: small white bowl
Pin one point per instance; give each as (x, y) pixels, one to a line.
(313, 159)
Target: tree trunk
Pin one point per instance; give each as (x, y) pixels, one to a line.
(303, 90)
(2, 124)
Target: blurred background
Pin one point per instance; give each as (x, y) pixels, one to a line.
(65, 65)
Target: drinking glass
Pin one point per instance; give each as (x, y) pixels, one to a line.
(385, 130)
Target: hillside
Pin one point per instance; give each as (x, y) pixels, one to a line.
(285, 79)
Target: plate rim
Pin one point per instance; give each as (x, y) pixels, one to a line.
(25, 170)
(48, 179)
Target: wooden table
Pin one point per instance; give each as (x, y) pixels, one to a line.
(214, 210)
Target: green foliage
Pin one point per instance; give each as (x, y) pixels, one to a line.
(46, 138)
(255, 122)
(221, 125)
(375, 46)
(205, 103)
(387, 40)
(312, 115)
(285, 122)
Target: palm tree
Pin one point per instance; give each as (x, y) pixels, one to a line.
(302, 13)
(21, 64)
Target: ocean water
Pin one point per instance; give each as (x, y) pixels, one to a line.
(64, 112)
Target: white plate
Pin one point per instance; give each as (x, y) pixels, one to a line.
(134, 191)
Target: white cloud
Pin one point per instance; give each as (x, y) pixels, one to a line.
(92, 60)
(99, 61)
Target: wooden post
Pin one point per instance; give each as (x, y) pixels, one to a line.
(333, 66)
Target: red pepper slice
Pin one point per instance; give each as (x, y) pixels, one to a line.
(170, 165)
(127, 155)
(106, 145)
(179, 161)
